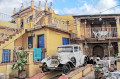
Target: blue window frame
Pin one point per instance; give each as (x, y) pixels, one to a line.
(6, 56)
(30, 42)
(65, 41)
(38, 54)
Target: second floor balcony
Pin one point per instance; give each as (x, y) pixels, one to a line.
(98, 32)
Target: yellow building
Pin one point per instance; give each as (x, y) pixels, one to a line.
(37, 28)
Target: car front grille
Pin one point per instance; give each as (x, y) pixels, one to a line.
(54, 62)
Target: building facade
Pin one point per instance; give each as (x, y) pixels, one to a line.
(35, 29)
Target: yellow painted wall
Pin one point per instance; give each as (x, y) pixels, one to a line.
(11, 47)
(36, 32)
(54, 39)
(7, 24)
(118, 66)
(77, 76)
(19, 41)
(63, 18)
(82, 30)
(5, 69)
(118, 32)
(86, 71)
(32, 69)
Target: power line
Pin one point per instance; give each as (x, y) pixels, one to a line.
(109, 8)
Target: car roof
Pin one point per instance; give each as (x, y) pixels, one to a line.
(69, 45)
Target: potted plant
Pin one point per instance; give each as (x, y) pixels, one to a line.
(11, 75)
(99, 74)
(97, 71)
(20, 63)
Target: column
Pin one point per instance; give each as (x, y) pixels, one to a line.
(118, 32)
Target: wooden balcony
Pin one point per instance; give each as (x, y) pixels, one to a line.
(98, 32)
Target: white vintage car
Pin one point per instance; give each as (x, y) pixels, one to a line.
(67, 57)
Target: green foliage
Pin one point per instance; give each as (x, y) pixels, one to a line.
(22, 60)
(11, 73)
(116, 56)
(97, 68)
(12, 21)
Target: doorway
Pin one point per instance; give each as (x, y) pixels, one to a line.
(98, 51)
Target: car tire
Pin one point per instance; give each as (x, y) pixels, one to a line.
(66, 69)
(73, 60)
(44, 67)
(85, 61)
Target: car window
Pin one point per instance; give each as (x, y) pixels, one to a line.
(65, 49)
(76, 49)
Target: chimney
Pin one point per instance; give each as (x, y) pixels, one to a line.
(40, 7)
(46, 6)
(22, 7)
(32, 3)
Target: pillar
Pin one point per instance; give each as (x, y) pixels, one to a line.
(51, 8)
(46, 20)
(32, 3)
(78, 27)
(46, 6)
(22, 7)
(40, 7)
(14, 11)
(118, 31)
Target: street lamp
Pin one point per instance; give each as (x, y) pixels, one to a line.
(32, 34)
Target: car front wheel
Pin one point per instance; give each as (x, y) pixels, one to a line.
(44, 67)
(66, 69)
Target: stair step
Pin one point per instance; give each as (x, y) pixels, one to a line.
(18, 31)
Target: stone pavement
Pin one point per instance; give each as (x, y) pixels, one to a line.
(90, 76)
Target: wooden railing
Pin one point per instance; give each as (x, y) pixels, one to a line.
(97, 32)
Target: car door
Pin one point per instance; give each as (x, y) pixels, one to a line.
(77, 54)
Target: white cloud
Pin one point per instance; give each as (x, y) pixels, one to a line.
(56, 11)
(7, 6)
(94, 9)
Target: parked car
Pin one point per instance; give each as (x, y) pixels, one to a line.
(67, 57)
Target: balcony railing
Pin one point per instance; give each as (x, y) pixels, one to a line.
(98, 32)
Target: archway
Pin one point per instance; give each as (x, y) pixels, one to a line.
(98, 51)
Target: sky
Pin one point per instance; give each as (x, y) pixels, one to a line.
(75, 7)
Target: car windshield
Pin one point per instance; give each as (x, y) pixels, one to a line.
(65, 49)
